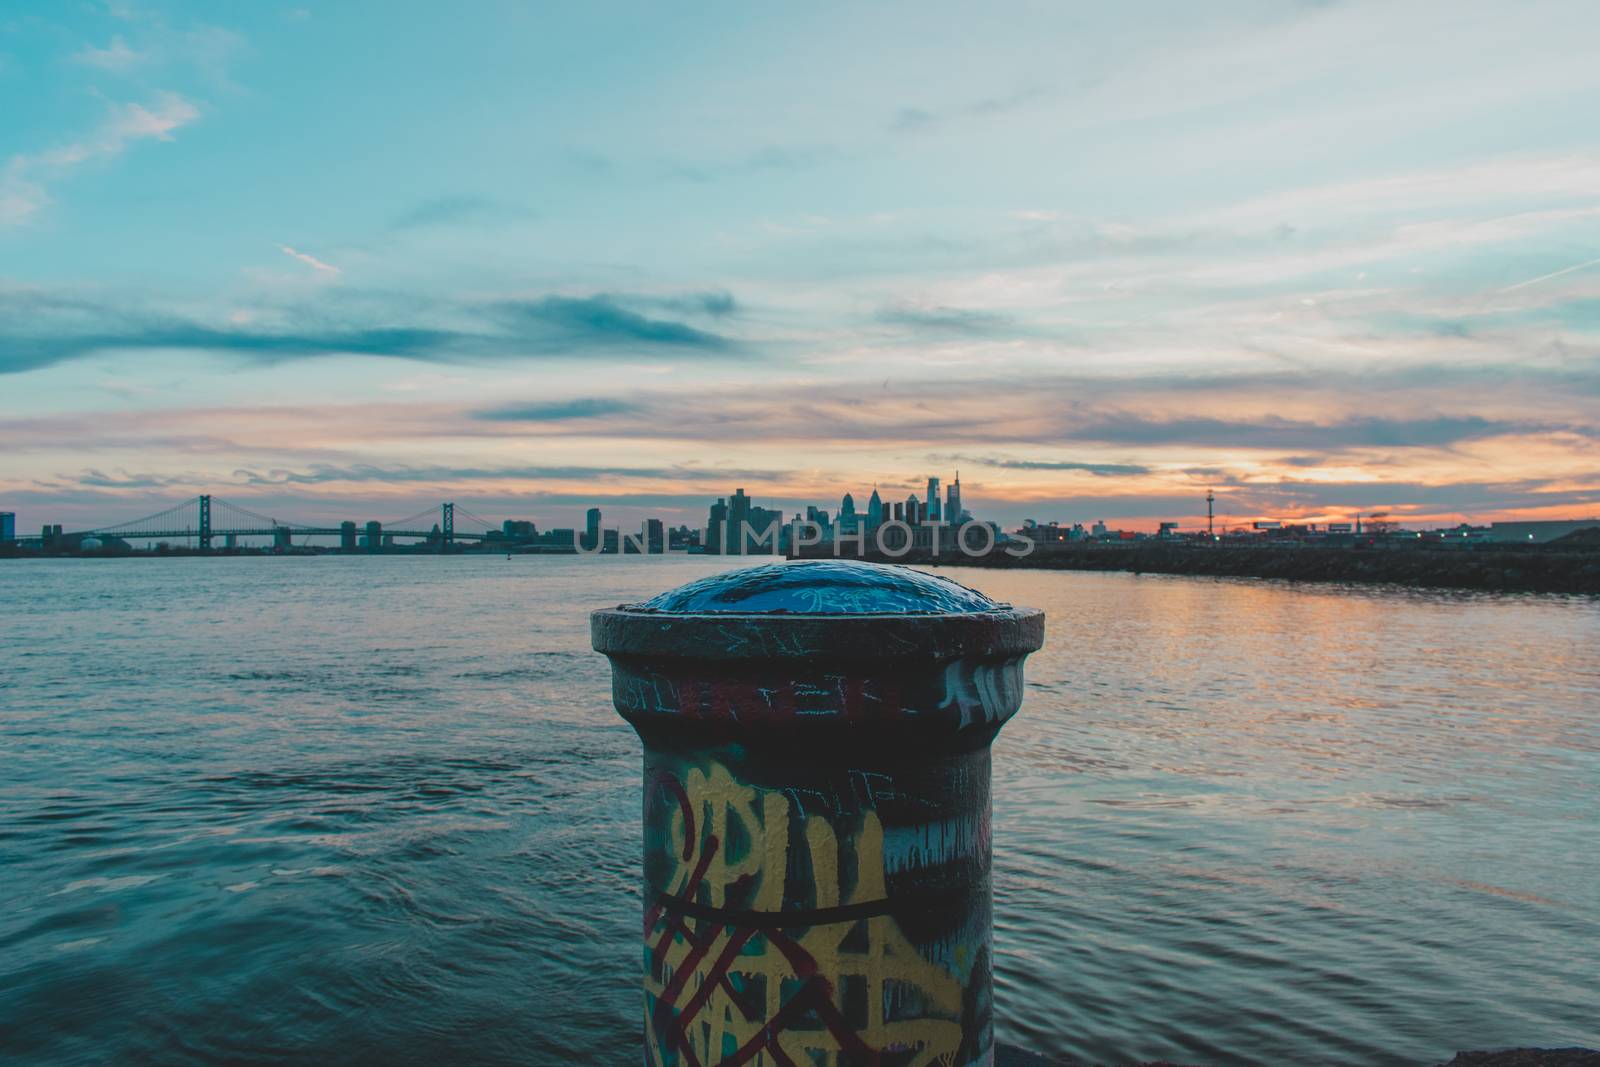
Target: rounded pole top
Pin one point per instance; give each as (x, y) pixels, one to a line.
(820, 587)
(819, 610)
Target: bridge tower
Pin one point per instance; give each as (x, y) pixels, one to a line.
(447, 525)
(205, 522)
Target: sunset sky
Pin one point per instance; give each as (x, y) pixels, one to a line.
(342, 260)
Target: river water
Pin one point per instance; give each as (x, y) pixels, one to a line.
(379, 811)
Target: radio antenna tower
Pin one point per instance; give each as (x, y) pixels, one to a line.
(1211, 500)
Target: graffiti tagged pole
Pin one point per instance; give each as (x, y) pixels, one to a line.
(816, 811)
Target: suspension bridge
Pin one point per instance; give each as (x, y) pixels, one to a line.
(206, 520)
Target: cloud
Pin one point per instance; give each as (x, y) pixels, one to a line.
(600, 321)
(1281, 433)
(19, 200)
(1005, 463)
(1402, 497)
(944, 319)
(320, 473)
(558, 411)
(20, 353)
(123, 480)
(454, 210)
(116, 56)
(132, 122)
(41, 329)
(24, 176)
(1131, 413)
(910, 120)
(309, 260)
(774, 158)
(719, 304)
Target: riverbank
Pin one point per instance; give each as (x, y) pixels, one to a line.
(1507, 569)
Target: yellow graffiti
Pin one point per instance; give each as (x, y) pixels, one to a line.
(884, 962)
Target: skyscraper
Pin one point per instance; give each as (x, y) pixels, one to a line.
(8, 526)
(952, 508)
(591, 529)
(875, 509)
(933, 500)
(734, 542)
(716, 526)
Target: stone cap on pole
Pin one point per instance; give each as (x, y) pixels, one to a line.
(819, 642)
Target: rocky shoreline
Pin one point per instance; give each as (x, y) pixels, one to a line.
(1504, 569)
(1512, 1057)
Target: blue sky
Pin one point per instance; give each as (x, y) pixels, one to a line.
(340, 259)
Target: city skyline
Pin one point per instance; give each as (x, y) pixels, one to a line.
(730, 520)
(1060, 253)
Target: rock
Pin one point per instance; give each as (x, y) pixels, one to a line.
(1527, 1057)
(1509, 1057)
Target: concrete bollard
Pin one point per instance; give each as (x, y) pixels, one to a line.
(816, 811)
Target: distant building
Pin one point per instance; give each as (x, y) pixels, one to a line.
(519, 530)
(591, 528)
(1538, 532)
(954, 513)
(1050, 533)
(862, 529)
(8, 526)
(849, 521)
(736, 527)
(716, 526)
(1037, 532)
(651, 539)
(733, 539)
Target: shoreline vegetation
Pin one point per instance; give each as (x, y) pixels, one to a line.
(1553, 568)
